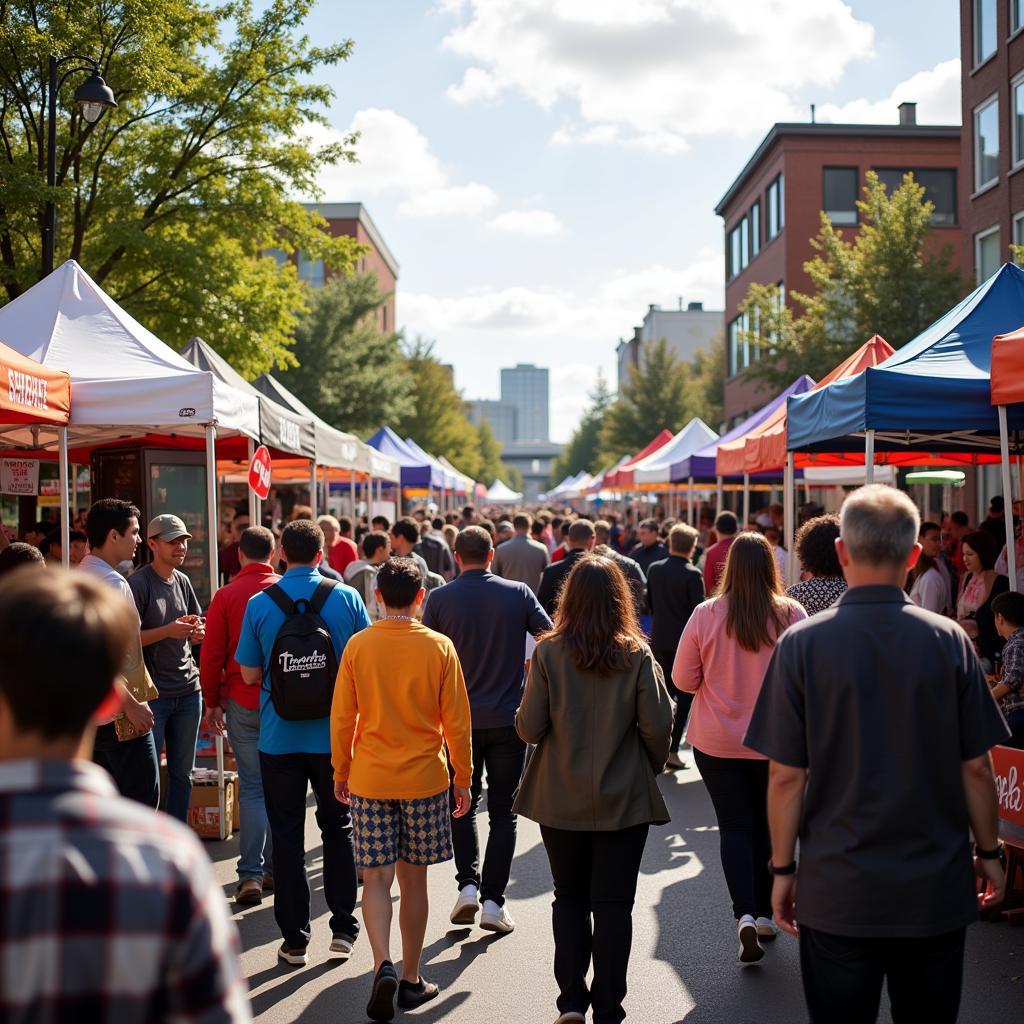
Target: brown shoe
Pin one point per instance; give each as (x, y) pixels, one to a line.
(268, 883)
(249, 892)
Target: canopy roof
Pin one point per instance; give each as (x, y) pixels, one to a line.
(31, 392)
(764, 448)
(499, 493)
(281, 429)
(415, 470)
(657, 467)
(449, 476)
(701, 465)
(931, 395)
(600, 481)
(620, 477)
(467, 483)
(1007, 384)
(126, 381)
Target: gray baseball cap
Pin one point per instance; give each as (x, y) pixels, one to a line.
(166, 527)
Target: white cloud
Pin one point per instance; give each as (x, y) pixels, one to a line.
(655, 72)
(533, 223)
(396, 160)
(936, 93)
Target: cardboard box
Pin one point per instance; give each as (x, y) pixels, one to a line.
(204, 809)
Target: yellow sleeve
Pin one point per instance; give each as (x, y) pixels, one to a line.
(344, 709)
(456, 722)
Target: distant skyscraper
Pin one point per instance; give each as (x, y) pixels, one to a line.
(500, 415)
(525, 387)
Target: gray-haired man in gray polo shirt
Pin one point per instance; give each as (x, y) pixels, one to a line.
(878, 721)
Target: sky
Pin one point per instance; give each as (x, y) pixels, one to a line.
(543, 170)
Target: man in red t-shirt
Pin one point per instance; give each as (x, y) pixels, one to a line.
(234, 707)
(340, 549)
(726, 526)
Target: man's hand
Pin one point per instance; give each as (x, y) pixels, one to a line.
(213, 719)
(139, 715)
(991, 872)
(198, 633)
(463, 799)
(341, 793)
(179, 629)
(784, 903)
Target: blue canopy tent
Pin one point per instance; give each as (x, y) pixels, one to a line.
(417, 469)
(449, 480)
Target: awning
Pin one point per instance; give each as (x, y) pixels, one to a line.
(1007, 383)
(620, 477)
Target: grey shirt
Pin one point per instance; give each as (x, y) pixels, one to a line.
(522, 560)
(159, 601)
(880, 701)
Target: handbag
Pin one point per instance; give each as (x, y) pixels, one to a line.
(140, 685)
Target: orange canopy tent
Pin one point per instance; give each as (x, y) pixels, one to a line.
(1007, 373)
(622, 477)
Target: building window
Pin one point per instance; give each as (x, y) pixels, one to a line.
(739, 348)
(311, 271)
(1016, 9)
(984, 30)
(839, 194)
(738, 248)
(279, 256)
(1017, 119)
(986, 144)
(1018, 228)
(986, 253)
(755, 229)
(939, 188)
(775, 202)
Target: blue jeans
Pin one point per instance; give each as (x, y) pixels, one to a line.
(177, 727)
(254, 846)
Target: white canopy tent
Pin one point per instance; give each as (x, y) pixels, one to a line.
(500, 493)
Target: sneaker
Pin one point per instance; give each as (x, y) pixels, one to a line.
(382, 996)
(466, 906)
(342, 943)
(410, 996)
(249, 892)
(751, 949)
(495, 919)
(296, 957)
(675, 763)
(572, 1017)
(767, 929)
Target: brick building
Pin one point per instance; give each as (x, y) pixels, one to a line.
(771, 212)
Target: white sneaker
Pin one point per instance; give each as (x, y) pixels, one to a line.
(572, 1017)
(767, 929)
(751, 949)
(495, 918)
(466, 906)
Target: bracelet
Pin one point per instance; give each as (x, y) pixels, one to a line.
(992, 854)
(788, 869)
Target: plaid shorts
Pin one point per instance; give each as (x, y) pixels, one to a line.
(416, 831)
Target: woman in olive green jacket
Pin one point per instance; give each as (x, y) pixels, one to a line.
(597, 708)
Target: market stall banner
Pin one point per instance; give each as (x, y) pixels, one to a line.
(1009, 771)
(260, 469)
(31, 392)
(19, 476)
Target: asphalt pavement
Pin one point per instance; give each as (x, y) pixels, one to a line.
(683, 965)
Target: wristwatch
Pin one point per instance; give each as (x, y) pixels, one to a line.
(992, 854)
(788, 869)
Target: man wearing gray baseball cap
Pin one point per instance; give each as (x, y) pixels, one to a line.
(171, 623)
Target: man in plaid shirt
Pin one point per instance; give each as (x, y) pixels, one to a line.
(1008, 610)
(110, 910)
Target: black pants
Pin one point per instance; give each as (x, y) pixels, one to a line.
(683, 700)
(595, 874)
(285, 781)
(738, 788)
(503, 754)
(133, 765)
(843, 977)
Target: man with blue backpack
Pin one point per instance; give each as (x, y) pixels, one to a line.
(292, 638)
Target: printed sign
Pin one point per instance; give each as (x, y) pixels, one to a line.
(259, 472)
(1009, 770)
(19, 476)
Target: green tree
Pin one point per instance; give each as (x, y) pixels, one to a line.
(513, 477)
(349, 371)
(657, 396)
(437, 421)
(582, 453)
(171, 201)
(491, 467)
(881, 282)
(706, 384)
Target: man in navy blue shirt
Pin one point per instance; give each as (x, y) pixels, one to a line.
(295, 754)
(488, 620)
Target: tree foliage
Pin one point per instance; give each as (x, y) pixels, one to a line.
(169, 201)
(349, 371)
(881, 282)
(583, 453)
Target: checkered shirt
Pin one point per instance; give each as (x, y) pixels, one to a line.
(1013, 672)
(109, 912)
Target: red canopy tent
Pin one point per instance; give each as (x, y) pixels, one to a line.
(1006, 382)
(621, 478)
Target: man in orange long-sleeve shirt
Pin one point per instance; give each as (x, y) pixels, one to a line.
(400, 698)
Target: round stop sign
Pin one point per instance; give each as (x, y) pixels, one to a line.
(259, 472)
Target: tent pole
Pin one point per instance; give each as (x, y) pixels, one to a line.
(718, 495)
(869, 456)
(312, 487)
(352, 494)
(211, 509)
(689, 501)
(788, 498)
(1004, 451)
(65, 518)
(254, 501)
(746, 501)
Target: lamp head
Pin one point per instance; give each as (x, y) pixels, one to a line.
(95, 96)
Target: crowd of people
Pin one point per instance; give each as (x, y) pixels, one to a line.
(395, 667)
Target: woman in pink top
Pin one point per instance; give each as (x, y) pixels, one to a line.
(722, 656)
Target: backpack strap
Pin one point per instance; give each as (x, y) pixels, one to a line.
(324, 589)
(276, 594)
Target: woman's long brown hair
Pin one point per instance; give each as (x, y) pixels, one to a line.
(758, 612)
(596, 618)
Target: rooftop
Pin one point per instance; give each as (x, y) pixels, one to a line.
(357, 212)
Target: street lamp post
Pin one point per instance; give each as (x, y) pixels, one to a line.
(95, 96)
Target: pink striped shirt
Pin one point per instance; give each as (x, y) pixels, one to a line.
(724, 678)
